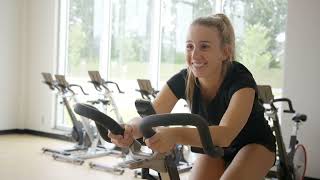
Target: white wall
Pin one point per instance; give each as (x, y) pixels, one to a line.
(301, 73)
(28, 47)
(10, 24)
(41, 52)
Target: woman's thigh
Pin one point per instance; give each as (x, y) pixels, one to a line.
(206, 167)
(253, 161)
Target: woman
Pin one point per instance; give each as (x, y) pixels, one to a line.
(222, 91)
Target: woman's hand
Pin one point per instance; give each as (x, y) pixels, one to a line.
(163, 141)
(131, 132)
(125, 140)
(135, 123)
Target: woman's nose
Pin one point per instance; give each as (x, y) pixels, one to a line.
(195, 53)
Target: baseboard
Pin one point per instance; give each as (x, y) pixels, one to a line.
(12, 131)
(37, 133)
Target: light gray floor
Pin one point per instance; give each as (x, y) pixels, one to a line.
(21, 158)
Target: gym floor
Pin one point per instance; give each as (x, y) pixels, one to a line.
(21, 158)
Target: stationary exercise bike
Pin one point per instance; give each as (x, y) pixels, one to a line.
(160, 162)
(83, 132)
(144, 108)
(77, 133)
(291, 164)
(107, 101)
(102, 86)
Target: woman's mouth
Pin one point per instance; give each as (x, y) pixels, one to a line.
(197, 65)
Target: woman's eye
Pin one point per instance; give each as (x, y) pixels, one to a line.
(204, 46)
(189, 47)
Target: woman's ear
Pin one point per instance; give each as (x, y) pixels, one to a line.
(226, 51)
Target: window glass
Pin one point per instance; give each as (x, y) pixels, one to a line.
(176, 17)
(126, 40)
(131, 33)
(260, 30)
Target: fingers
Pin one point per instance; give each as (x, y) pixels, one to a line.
(124, 140)
(160, 144)
(153, 143)
(135, 123)
(128, 130)
(114, 136)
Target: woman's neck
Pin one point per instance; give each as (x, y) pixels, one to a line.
(210, 86)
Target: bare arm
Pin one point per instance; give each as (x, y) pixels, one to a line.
(165, 100)
(232, 122)
(163, 103)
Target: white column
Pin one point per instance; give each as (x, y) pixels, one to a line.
(105, 41)
(154, 59)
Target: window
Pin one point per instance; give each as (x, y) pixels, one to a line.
(126, 40)
(81, 46)
(260, 36)
(176, 17)
(132, 33)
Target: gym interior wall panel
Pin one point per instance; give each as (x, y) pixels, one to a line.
(9, 63)
(301, 75)
(42, 51)
(23, 16)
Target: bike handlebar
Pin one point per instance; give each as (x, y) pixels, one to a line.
(111, 82)
(103, 84)
(96, 85)
(153, 121)
(288, 101)
(71, 85)
(182, 119)
(99, 117)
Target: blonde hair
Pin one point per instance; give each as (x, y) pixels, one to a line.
(226, 33)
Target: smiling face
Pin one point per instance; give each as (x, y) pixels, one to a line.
(204, 51)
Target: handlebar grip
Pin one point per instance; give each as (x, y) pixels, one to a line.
(148, 133)
(183, 119)
(100, 118)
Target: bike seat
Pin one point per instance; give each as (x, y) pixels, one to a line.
(299, 117)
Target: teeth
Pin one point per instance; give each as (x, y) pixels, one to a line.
(197, 65)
